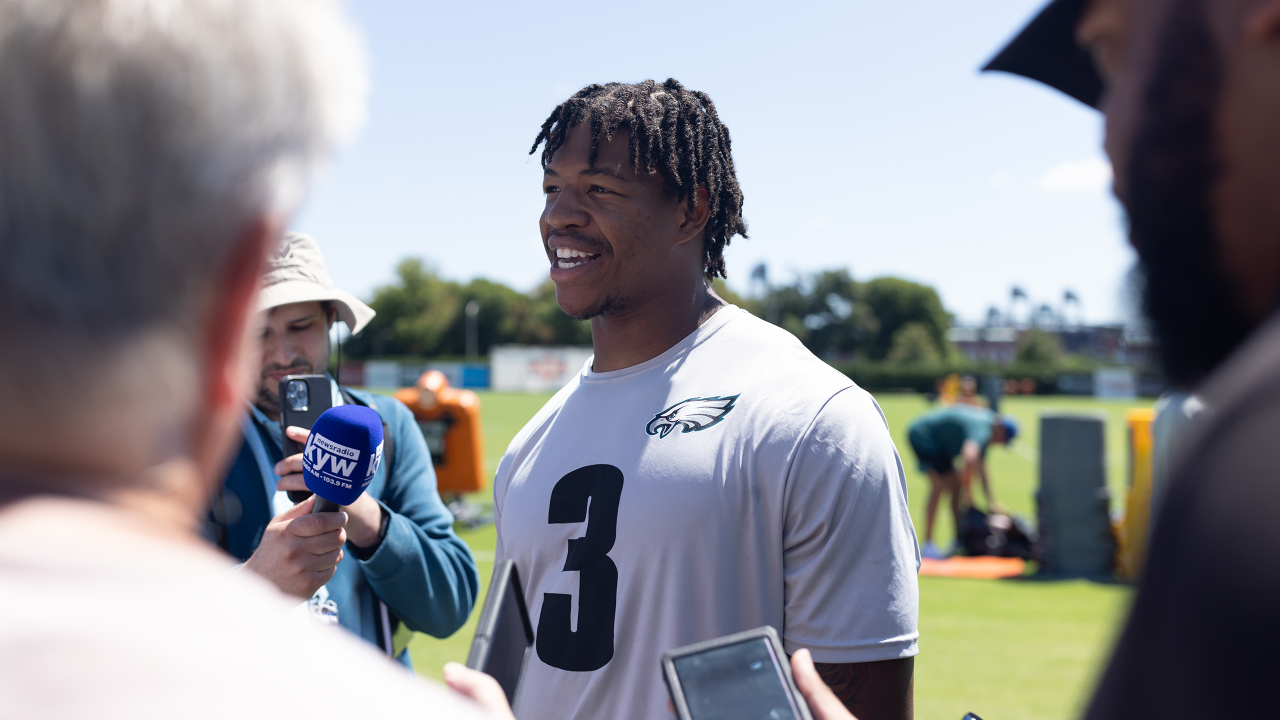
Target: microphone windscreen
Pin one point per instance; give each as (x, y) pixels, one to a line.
(342, 453)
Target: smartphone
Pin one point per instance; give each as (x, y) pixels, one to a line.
(745, 676)
(504, 636)
(303, 399)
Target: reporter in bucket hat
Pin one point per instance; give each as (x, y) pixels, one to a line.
(390, 562)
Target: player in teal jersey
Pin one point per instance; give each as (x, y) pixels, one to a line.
(937, 438)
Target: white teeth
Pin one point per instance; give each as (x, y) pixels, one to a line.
(563, 253)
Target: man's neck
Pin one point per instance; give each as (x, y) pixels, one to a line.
(156, 502)
(650, 328)
(41, 526)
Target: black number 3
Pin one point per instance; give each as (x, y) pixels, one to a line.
(591, 647)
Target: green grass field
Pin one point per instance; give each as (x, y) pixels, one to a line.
(1002, 649)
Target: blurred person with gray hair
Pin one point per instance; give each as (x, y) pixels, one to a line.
(151, 151)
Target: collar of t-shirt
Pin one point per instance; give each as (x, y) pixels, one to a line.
(723, 317)
(278, 499)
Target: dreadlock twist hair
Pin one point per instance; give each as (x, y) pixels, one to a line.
(675, 132)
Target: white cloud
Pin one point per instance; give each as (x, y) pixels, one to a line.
(1000, 179)
(819, 223)
(1078, 176)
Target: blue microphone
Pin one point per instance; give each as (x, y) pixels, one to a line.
(342, 453)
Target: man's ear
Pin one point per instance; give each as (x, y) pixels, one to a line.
(224, 365)
(1262, 22)
(695, 219)
(227, 330)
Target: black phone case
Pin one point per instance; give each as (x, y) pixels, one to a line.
(504, 636)
(767, 632)
(319, 399)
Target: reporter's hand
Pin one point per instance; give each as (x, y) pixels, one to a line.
(482, 688)
(364, 516)
(299, 551)
(823, 703)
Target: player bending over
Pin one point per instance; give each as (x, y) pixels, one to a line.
(704, 473)
(938, 438)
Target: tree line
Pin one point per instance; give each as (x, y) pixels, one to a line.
(421, 314)
(837, 317)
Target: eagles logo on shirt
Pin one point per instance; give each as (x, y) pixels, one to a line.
(691, 415)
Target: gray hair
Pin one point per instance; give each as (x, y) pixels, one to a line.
(138, 139)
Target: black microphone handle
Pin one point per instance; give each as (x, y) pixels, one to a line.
(323, 505)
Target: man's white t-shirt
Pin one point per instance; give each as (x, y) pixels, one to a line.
(103, 621)
(732, 482)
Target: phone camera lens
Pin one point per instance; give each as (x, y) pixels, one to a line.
(296, 395)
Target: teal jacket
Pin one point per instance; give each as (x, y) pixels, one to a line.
(422, 571)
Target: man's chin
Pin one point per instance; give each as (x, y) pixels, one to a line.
(588, 308)
(269, 404)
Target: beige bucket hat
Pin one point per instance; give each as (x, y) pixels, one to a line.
(296, 273)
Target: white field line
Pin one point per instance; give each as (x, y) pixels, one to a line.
(1027, 451)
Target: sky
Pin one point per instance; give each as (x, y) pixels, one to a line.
(864, 137)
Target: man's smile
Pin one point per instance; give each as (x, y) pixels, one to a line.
(572, 257)
(569, 258)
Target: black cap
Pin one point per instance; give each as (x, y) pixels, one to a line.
(1046, 51)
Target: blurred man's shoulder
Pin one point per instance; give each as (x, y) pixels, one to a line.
(1239, 400)
(1213, 543)
(102, 619)
(1249, 380)
(1225, 468)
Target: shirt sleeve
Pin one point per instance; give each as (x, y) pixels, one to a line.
(850, 556)
(422, 570)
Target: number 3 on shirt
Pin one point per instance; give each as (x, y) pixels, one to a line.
(591, 647)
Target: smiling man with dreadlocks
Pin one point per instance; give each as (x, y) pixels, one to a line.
(704, 473)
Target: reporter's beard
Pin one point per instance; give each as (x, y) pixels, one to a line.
(268, 391)
(1174, 167)
(268, 402)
